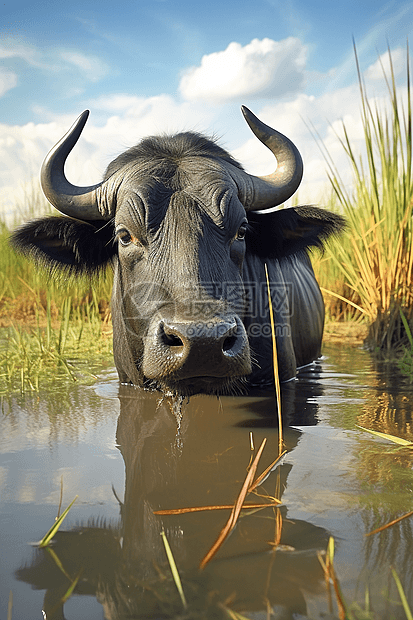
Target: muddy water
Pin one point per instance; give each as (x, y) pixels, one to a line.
(121, 451)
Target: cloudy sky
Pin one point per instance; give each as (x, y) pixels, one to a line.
(148, 66)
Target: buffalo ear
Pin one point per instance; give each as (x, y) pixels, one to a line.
(64, 243)
(275, 234)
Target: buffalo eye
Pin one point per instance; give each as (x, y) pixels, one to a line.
(124, 237)
(241, 232)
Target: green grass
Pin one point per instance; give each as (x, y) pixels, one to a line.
(371, 265)
(174, 569)
(22, 280)
(45, 541)
(53, 329)
(33, 357)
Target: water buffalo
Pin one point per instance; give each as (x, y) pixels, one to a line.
(188, 233)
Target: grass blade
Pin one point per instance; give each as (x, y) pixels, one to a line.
(72, 586)
(330, 577)
(51, 613)
(10, 606)
(402, 595)
(174, 569)
(233, 615)
(49, 535)
(60, 497)
(393, 438)
(406, 327)
(58, 563)
(347, 301)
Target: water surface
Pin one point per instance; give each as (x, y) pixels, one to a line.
(121, 451)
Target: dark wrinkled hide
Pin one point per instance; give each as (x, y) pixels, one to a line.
(180, 278)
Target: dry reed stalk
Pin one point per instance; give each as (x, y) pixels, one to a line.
(182, 511)
(275, 366)
(384, 527)
(236, 509)
(265, 473)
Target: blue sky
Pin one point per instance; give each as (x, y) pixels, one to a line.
(165, 65)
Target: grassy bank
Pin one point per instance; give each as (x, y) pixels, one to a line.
(25, 289)
(52, 328)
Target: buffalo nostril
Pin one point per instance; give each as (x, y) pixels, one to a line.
(170, 338)
(229, 343)
(173, 341)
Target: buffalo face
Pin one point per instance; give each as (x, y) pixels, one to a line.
(176, 250)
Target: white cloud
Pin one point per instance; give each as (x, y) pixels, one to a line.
(8, 80)
(116, 103)
(263, 68)
(142, 116)
(11, 49)
(50, 59)
(382, 66)
(22, 149)
(91, 66)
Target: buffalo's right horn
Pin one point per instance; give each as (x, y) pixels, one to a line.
(83, 203)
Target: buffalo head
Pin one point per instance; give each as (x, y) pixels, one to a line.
(175, 215)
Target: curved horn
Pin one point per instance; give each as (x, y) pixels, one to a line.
(79, 202)
(274, 189)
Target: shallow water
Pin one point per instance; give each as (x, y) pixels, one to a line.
(119, 450)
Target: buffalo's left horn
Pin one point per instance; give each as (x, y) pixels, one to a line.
(83, 203)
(273, 189)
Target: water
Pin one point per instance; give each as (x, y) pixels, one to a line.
(127, 453)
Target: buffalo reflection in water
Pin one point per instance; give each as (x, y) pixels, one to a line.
(124, 564)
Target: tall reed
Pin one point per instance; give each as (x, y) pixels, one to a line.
(375, 259)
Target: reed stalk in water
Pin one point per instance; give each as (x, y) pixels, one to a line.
(275, 367)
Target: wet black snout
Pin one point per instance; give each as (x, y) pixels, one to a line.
(184, 349)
